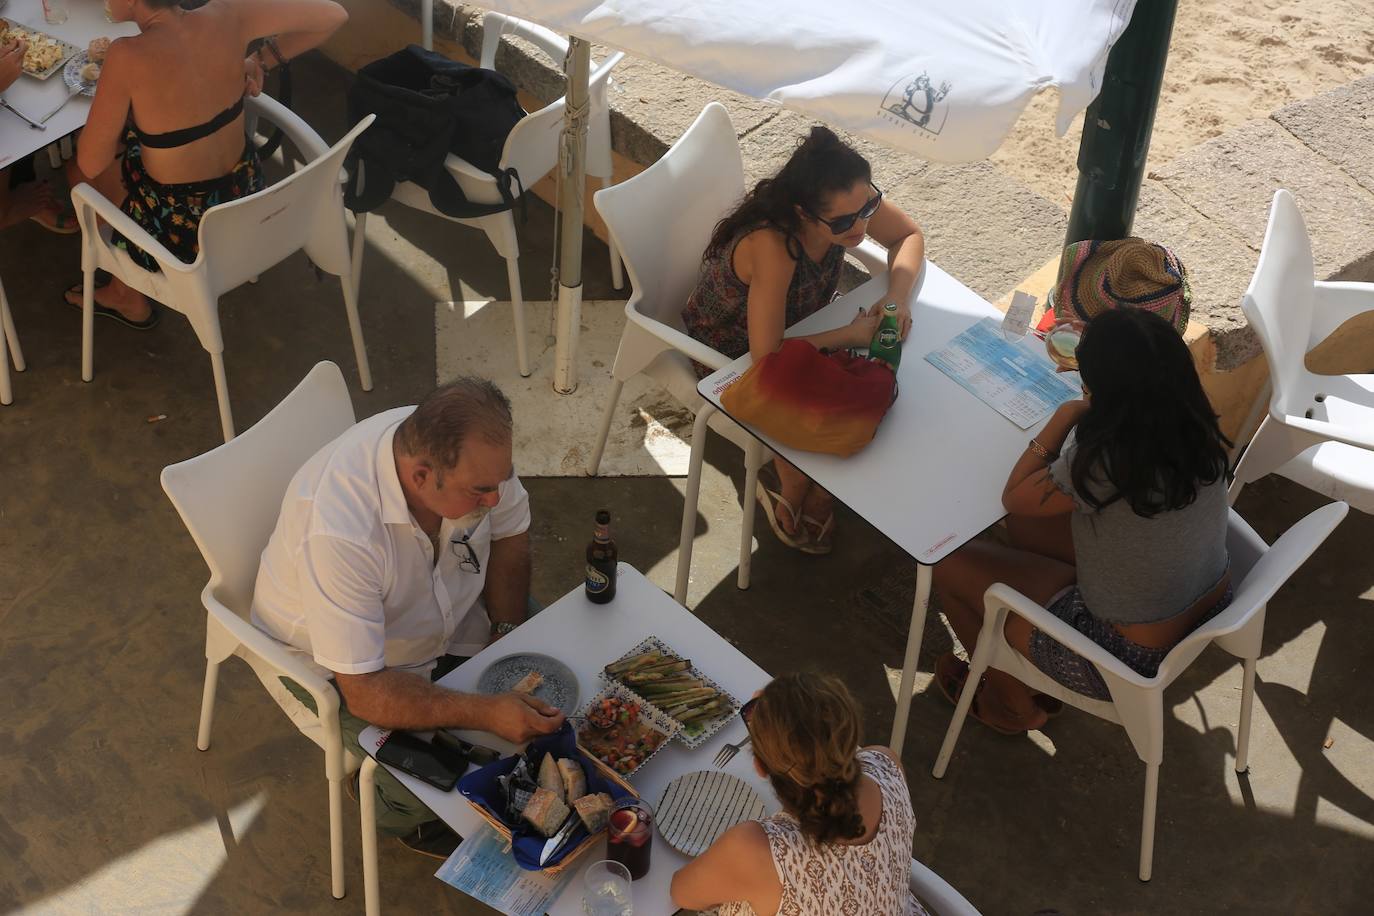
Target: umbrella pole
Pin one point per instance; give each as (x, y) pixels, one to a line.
(573, 163)
(1117, 126)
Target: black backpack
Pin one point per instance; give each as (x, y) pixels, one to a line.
(428, 106)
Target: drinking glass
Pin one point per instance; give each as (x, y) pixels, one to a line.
(606, 890)
(54, 11)
(1062, 344)
(630, 834)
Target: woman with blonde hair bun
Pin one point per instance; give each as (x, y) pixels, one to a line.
(842, 842)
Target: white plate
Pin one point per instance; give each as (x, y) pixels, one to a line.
(71, 74)
(695, 735)
(559, 687)
(696, 808)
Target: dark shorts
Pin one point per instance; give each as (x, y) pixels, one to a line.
(171, 213)
(1074, 671)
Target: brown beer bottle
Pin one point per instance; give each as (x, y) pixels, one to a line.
(601, 560)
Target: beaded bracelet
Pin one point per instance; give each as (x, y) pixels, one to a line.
(1041, 452)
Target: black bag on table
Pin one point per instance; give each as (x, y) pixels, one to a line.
(428, 106)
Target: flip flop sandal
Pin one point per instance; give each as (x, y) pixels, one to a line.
(64, 224)
(102, 280)
(821, 534)
(951, 684)
(770, 502)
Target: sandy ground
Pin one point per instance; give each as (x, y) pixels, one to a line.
(1229, 62)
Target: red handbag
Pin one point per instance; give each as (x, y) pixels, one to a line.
(817, 401)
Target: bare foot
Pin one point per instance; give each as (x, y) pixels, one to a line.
(28, 200)
(119, 297)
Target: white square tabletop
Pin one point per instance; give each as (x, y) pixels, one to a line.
(585, 636)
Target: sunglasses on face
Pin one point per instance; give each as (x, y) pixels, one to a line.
(839, 225)
(746, 712)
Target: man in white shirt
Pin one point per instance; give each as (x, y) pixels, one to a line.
(402, 544)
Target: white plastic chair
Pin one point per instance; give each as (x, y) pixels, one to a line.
(661, 221)
(532, 150)
(230, 498)
(937, 894)
(9, 348)
(1320, 428)
(238, 241)
(1137, 703)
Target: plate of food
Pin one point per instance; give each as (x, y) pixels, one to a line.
(621, 730)
(539, 675)
(673, 685)
(83, 70)
(45, 54)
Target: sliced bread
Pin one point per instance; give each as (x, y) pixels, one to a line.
(574, 779)
(545, 812)
(594, 810)
(550, 778)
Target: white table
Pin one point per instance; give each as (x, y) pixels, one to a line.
(931, 479)
(86, 20)
(585, 636)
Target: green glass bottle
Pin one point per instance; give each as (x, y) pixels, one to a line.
(887, 342)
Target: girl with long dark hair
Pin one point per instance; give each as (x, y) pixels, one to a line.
(1136, 470)
(842, 842)
(777, 259)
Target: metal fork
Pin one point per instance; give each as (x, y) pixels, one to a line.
(727, 753)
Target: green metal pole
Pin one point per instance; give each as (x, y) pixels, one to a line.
(1117, 126)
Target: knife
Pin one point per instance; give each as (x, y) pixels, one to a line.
(555, 843)
(31, 122)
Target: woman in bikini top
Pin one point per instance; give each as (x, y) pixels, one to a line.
(183, 68)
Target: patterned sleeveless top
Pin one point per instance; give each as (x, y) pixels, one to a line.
(717, 310)
(872, 879)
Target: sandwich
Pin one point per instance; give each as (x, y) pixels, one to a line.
(574, 779)
(551, 778)
(545, 812)
(529, 683)
(594, 810)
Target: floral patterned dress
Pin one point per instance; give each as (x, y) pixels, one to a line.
(846, 880)
(717, 312)
(171, 212)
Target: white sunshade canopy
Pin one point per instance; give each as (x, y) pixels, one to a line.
(944, 80)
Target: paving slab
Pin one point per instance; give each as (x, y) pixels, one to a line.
(985, 228)
(1219, 264)
(1339, 126)
(1231, 180)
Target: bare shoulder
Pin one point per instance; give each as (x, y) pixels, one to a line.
(746, 844)
(764, 251)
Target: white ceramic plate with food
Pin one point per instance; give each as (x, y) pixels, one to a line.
(694, 733)
(75, 78)
(45, 55)
(557, 684)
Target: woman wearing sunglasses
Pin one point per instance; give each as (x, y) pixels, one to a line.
(774, 261)
(842, 842)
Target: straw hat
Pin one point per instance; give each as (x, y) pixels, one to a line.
(1096, 276)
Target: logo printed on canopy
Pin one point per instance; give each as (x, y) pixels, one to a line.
(915, 101)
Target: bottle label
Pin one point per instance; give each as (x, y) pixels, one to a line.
(597, 581)
(888, 337)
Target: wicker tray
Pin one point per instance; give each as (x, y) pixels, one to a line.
(695, 735)
(500, 826)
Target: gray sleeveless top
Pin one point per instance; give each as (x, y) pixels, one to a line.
(1144, 570)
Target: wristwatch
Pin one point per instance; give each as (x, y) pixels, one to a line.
(502, 627)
